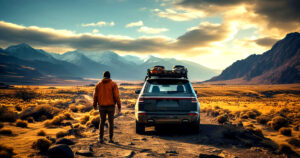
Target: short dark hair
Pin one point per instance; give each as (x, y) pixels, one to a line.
(106, 74)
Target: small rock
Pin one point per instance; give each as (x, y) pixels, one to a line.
(132, 153)
(131, 143)
(60, 150)
(65, 141)
(145, 150)
(85, 153)
(144, 139)
(209, 156)
(171, 151)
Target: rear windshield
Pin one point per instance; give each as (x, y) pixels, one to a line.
(168, 87)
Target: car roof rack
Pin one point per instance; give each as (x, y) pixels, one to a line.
(181, 72)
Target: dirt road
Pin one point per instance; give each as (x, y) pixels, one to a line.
(174, 141)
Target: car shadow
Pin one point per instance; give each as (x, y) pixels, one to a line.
(214, 135)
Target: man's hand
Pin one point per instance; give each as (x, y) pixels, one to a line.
(119, 111)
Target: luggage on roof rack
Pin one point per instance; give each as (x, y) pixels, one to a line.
(178, 71)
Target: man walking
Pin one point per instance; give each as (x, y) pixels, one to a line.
(106, 96)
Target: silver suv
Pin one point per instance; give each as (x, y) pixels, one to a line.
(167, 98)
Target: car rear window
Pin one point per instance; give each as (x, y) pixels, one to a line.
(168, 87)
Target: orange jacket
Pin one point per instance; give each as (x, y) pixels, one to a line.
(106, 93)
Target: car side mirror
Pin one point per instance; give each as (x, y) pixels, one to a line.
(137, 91)
(196, 92)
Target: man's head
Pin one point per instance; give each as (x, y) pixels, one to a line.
(106, 74)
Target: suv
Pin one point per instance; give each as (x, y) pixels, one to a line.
(167, 97)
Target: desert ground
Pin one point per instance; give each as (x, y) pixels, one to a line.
(236, 121)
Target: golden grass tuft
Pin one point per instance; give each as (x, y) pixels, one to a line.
(22, 123)
(294, 141)
(73, 107)
(6, 152)
(84, 119)
(285, 131)
(278, 122)
(42, 144)
(7, 115)
(5, 132)
(263, 119)
(222, 119)
(41, 133)
(61, 134)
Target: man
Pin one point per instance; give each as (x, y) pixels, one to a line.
(106, 96)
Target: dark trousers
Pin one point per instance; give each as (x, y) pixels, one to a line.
(110, 111)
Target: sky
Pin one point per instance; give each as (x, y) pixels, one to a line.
(213, 33)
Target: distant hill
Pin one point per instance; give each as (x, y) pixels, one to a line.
(280, 64)
(22, 63)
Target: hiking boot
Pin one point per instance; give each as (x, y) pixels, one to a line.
(111, 141)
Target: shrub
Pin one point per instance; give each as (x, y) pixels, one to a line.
(42, 144)
(94, 122)
(37, 112)
(222, 119)
(61, 104)
(251, 114)
(7, 115)
(278, 122)
(56, 121)
(5, 132)
(84, 119)
(68, 116)
(262, 119)
(41, 133)
(6, 152)
(286, 149)
(61, 134)
(26, 94)
(244, 116)
(84, 108)
(30, 119)
(256, 131)
(294, 141)
(18, 108)
(73, 108)
(1, 125)
(285, 131)
(21, 123)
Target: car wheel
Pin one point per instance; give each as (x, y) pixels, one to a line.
(139, 128)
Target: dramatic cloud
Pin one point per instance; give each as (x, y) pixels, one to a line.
(203, 35)
(268, 16)
(133, 24)
(150, 30)
(98, 24)
(266, 41)
(178, 15)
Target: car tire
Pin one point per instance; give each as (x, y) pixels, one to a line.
(139, 128)
(195, 127)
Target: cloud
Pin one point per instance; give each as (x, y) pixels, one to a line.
(150, 30)
(268, 16)
(178, 15)
(98, 24)
(204, 35)
(266, 41)
(133, 24)
(95, 30)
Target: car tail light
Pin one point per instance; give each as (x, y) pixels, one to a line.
(141, 100)
(194, 100)
(193, 114)
(142, 114)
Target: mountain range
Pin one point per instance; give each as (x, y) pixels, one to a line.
(279, 65)
(24, 64)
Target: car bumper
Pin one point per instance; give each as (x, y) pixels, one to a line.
(159, 118)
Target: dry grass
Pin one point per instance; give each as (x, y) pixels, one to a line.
(285, 131)
(6, 152)
(84, 119)
(7, 115)
(42, 144)
(57, 120)
(61, 134)
(21, 123)
(278, 122)
(222, 119)
(5, 132)
(41, 133)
